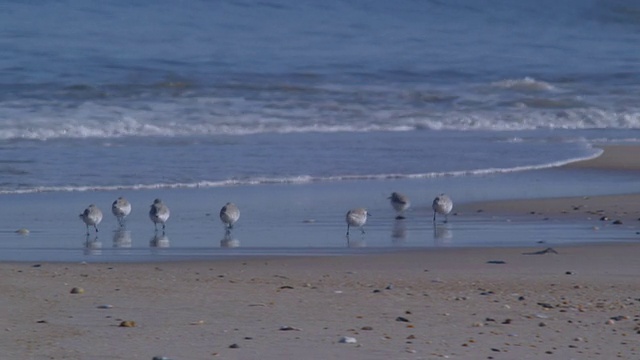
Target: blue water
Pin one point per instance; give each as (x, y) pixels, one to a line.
(202, 94)
(141, 96)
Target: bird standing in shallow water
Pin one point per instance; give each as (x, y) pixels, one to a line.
(400, 203)
(121, 208)
(159, 213)
(229, 214)
(92, 216)
(356, 217)
(443, 205)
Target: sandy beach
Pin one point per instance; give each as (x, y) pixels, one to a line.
(509, 303)
(568, 302)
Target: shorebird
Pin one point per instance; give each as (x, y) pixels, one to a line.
(442, 204)
(159, 213)
(229, 214)
(91, 217)
(356, 217)
(121, 208)
(400, 203)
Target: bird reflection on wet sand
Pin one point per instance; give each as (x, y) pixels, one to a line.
(442, 234)
(122, 238)
(399, 231)
(159, 240)
(92, 246)
(228, 241)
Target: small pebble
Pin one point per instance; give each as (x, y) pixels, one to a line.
(77, 290)
(347, 340)
(128, 323)
(105, 306)
(23, 231)
(617, 222)
(160, 358)
(402, 319)
(234, 346)
(367, 328)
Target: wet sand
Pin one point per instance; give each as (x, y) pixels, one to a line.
(468, 303)
(624, 209)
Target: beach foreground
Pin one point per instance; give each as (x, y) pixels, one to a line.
(506, 303)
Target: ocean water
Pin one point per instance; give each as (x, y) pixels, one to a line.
(145, 97)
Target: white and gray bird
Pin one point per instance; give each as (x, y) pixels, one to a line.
(159, 213)
(229, 214)
(400, 203)
(120, 209)
(356, 217)
(442, 205)
(92, 216)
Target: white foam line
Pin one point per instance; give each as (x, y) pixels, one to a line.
(303, 179)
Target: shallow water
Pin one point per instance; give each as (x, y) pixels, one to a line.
(305, 219)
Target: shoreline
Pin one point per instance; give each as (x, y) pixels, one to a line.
(621, 208)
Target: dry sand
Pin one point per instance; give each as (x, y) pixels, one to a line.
(582, 303)
(505, 303)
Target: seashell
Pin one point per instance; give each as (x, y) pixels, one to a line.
(23, 231)
(289, 328)
(77, 290)
(347, 340)
(128, 323)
